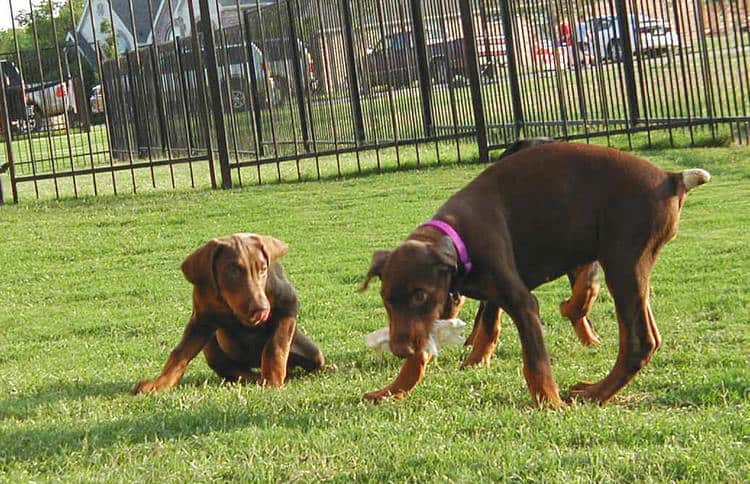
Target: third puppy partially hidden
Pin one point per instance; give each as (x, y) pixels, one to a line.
(244, 316)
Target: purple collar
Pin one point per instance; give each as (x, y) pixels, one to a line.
(463, 253)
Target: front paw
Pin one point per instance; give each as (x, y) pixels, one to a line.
(584, 391)
(381, 395)
(482, 361)
(144, 386)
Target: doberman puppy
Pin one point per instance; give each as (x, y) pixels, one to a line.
(543, 211)
(584, 284)
(244, 315)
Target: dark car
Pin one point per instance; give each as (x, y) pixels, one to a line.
(393, 60)
(15, 91)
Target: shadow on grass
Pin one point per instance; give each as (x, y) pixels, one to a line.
(42, 442)
(133, 426)
(21, 405)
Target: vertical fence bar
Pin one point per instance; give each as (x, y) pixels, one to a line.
(475, 83)
(623, 21)
(510, 46)
(299, 88)
(212, 70)
(8, 142)
(359, 123)
(254, 84)
(420, 43)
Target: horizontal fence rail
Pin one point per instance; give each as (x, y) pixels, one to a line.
(114, 96)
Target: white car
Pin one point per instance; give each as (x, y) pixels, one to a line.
(648, 36)
(51, 98)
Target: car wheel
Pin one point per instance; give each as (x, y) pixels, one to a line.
(36, 119)
(238, 99)
(615, 50)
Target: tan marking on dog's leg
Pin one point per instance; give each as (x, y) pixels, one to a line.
(194, 338)
(273, 363)
(477, 322)
(412, 372)
(486, 334)
(577, 308)
(452, 307)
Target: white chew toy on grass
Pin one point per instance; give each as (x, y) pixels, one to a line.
(444, 332)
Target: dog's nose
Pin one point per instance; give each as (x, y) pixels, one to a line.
(402, 349)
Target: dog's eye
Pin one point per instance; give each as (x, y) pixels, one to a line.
(263, 271)
(419, 297)
(234, 272)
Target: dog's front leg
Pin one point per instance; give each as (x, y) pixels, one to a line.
(411, 374)
(276, 353)
(194, 338)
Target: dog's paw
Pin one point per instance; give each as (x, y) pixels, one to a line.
(585, 332)
(472, 361)
(382, 395)
(584, 391)
(143, 386)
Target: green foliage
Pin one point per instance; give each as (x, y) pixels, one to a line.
(92, 300)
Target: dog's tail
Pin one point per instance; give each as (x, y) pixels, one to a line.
(694, 177)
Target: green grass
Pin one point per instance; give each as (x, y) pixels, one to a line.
(92, 300)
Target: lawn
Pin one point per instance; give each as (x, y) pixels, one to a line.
(93, 300)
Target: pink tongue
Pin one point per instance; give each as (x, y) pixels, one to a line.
(264, 315)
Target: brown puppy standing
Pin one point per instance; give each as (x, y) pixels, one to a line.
(244, 315)
(525, 221)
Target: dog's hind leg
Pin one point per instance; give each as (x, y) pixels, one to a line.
(584, 283)
(305, 354)
(484, 336)
(639, 337)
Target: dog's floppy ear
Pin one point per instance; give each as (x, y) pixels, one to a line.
(446, 253)
(198, 268)
(273, 248)
(379, 258)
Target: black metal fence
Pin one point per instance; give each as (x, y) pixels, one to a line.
(148, 93)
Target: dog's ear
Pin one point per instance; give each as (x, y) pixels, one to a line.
(446, 253)
(198, 268)
(379, 258)
(273, 248)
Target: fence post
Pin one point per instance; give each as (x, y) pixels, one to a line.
(160, 108)
(623, 22)
(510, 46)
(212, 70)
(475, 83)
(299, 88)
(6, 128)
(254, 84)
(359, 124)
(423, 70)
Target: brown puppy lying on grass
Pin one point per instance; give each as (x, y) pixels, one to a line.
(244, 316)
(536, 215)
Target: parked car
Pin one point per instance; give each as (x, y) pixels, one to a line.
(50, 99)
(648, 36)
(15, 93)
(393, 59)
(96, 100)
